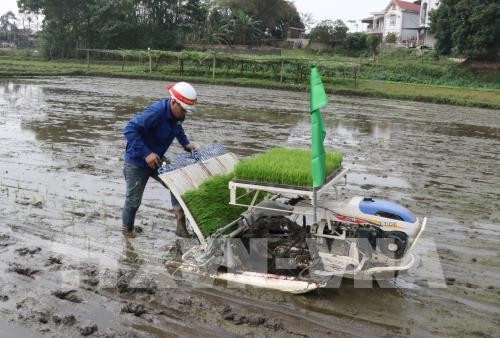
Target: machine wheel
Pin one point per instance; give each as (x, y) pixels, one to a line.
(393, 245)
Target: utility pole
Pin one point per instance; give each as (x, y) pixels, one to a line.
(213, 67)
(150, 66)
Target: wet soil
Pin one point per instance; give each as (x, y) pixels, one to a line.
(66, 270)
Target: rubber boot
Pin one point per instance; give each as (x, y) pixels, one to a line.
(181, 230)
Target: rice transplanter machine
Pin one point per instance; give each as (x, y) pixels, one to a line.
(275, 242)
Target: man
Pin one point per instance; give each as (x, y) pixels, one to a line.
(149, 134)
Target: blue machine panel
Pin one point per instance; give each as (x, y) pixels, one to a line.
(386, 209)
(185, 159)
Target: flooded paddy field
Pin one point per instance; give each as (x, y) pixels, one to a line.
(66, 270)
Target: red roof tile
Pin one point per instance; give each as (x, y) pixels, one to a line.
(409, 6)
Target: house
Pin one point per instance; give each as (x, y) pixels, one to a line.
(296, 37)
(425, 38)
(399, 17)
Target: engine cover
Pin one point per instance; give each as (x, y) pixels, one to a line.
(385, 215)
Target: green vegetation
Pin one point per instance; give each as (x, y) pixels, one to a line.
(391, 38)
(373, 42)
(484, 98)
(332, 33)
(469, 28)
(273, 16)
(284, 166)
(158, 24)
(356, 43)
(209, 203)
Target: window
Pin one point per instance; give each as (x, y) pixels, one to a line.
(392, 20)
(389, 215)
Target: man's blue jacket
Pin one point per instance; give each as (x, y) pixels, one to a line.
(152, 131)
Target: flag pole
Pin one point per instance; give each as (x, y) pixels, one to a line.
(318, 100)
(315, 205)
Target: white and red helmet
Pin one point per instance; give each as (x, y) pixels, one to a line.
(184, 94)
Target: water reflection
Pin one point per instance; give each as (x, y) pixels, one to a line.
(77, 118)
(20, 100)
(340, 133)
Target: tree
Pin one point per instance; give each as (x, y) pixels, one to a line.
(73, 24)
(469, 28)
(275, 16)
(242, 29)
(391, 38)
(194, 23)
(8, 27)
(217, 23)
(356, 42)
(307, 20)
(330, 32)
(8, 21)
(373, 41)
(159, 24)
(70, 25)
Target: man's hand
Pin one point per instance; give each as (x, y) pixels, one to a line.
(153, 160)
(189, 147)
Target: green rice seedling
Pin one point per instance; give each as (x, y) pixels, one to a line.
(209, 204)
(284, 166)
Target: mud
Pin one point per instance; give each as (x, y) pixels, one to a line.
(66, 270)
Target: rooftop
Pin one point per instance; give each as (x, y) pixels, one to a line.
(409, 6)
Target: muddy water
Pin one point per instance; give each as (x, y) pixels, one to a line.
(66, 270)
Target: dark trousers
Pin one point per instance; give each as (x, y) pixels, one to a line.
(136, 179)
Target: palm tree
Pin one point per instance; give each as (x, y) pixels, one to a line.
(217, 26)
(242, 28)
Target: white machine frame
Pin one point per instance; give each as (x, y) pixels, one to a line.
(255, 187)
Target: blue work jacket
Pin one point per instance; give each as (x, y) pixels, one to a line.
(152, 131)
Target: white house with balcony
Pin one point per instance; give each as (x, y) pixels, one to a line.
(399, 17)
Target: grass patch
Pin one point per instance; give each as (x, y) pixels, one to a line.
(284, 166)
(484, 98)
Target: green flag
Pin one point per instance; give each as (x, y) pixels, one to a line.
(318, 100)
